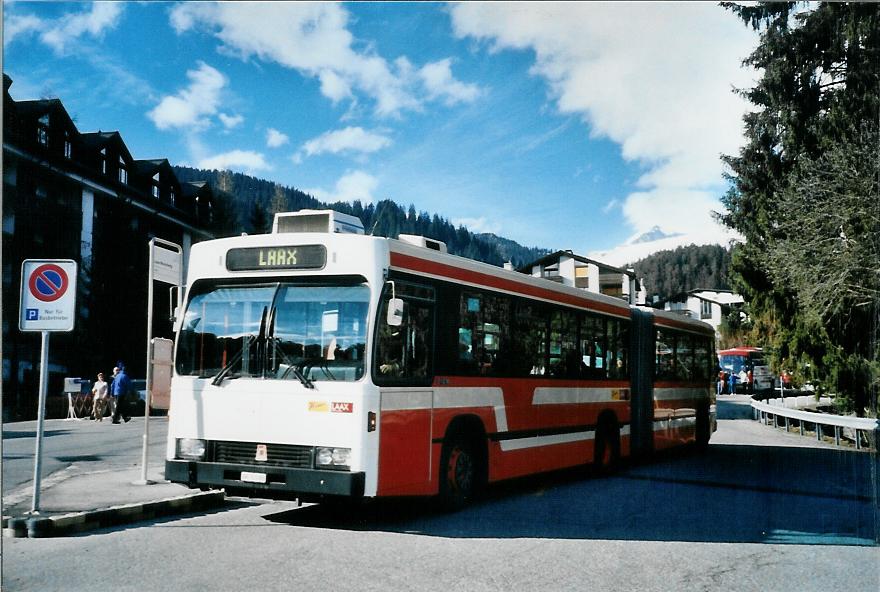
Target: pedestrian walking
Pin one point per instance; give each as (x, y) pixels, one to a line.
(120, 389)
(99, 397)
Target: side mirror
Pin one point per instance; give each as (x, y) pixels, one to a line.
(395, 312)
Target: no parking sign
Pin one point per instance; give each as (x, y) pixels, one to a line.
(48, 295)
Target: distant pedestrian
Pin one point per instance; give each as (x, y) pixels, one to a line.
(743, 380)
(99, 397)
(120, 389)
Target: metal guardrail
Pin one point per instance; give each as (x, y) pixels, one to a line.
(786, 410)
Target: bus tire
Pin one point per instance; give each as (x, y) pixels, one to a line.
(606, 452)
(459, 473)
(703, 429)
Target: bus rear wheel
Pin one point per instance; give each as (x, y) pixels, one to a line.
(458, 474)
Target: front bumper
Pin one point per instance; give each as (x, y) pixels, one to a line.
(281, 482)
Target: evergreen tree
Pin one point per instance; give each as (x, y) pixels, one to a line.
(280, 201)
(819, 93)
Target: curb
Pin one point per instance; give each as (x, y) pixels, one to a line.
(66, 524)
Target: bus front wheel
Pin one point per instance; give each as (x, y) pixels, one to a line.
(458, 474)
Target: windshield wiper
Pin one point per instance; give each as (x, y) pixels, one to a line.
(291, 367)
(294, 369)
(235, 359)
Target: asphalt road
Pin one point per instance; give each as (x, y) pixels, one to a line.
(760, 510)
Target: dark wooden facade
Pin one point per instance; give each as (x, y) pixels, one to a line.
(82, 196)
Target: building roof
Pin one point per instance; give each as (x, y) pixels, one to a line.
(697, 293)
(554, 258)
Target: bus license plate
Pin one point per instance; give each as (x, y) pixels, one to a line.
(253, 477)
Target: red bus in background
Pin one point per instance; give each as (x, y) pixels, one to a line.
(747, 364)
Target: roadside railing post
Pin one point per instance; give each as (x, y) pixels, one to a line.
(837, 435)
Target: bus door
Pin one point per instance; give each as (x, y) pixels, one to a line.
(403, 370)
(642, 338)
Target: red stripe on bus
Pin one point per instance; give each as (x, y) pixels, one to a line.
(410, 263)
(533, 382)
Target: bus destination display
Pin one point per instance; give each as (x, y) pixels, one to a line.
(263, 258)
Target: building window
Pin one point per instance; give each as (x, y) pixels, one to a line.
(156, 191)
(705, 309)
(103, 161)
(123, 172)
(68, 146)
(171, 196)
(43, 130)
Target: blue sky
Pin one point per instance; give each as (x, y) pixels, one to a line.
(565, 126)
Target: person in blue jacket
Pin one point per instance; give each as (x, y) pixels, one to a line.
(119, 389)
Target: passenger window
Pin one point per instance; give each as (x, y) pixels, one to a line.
(565, 361)
(618, 348)
(593, 346)
(664, 363)
(530, 343)
(484, 334)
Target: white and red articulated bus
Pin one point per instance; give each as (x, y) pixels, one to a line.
(317, 362)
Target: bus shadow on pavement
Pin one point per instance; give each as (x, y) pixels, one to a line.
(730, 494)
(15, 435)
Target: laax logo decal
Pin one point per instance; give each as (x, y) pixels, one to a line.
(620, 395)
(342, 407)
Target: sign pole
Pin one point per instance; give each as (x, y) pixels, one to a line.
(170, 272)
(47, 303)
(143, 480)
(41, 419)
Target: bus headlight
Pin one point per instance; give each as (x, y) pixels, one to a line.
(191, 448)
(333, 458)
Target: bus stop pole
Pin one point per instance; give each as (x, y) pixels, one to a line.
(41, 420)
(149, 386)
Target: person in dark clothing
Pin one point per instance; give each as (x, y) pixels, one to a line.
(120, 389)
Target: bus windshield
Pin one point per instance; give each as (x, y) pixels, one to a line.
(734, 363)
(282, 331)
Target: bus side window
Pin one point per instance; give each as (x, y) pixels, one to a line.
(664, 366)
(593, 346)
(618, 348)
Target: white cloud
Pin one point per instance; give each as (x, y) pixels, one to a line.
(349, 139)
(190, 107)
(479, 225)
(654, 77)
(314, 40)
(104, 15)
(20, 25)
(274, 138)
(351, 186)
(440, 84)
(230, 121)
(240, 160)
(61, 32)
(610, 206)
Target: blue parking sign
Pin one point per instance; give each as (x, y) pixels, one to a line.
(32, 314)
